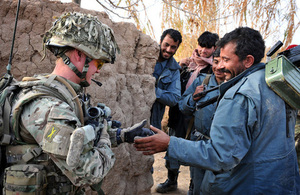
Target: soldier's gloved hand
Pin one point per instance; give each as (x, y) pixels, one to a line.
(127, 135)
(95, 124)
(80, 138)
(104, 138)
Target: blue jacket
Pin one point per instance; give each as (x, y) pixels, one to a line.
(167, 90)
(202, 121)
(203, 117)
(252, 148)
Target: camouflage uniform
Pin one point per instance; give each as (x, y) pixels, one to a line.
(45, 118)
(48, 121)
(57, 146)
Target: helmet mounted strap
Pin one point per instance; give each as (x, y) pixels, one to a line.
(85, 69)
(82, 74)
(67, 61)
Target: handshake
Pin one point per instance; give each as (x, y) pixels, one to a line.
(114, 136)
(108, 131)
(85, 138)
(137, 130)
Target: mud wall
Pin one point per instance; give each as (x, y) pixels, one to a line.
(128, 85)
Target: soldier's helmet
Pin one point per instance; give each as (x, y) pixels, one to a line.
(83, 32)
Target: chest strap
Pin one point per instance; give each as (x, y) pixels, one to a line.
(25, 153)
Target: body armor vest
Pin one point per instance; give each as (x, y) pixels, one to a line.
(28, 169)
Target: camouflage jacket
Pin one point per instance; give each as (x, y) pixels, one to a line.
(49, 121)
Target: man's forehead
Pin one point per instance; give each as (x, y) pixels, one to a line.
(202, 46)
(169, 39)
(228, 48)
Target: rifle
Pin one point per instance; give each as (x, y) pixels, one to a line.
(95, 116)
(200, 105)
(203, 93)
(206, 103)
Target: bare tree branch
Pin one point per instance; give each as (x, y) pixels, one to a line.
(194, 16)
(125, 8)
(112, 11)
(205, 21)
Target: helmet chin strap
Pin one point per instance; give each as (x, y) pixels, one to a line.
(81, 75)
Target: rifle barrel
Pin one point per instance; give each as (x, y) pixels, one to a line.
(206, 103)
(203, 93)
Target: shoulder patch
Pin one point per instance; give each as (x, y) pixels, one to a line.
(56, 139)
(51, 132)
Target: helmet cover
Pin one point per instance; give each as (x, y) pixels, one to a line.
(85, 33)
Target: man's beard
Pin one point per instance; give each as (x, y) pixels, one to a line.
(162, 57)
(233, 73)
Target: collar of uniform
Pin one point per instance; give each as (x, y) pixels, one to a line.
(163, 63)
(172, 64)
(225, 86)
(75, 86)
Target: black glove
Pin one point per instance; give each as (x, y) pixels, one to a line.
(127, 135)
(94, 123)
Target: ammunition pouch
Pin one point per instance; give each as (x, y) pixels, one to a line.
(25, 153)
(57, 183)
(25, 179)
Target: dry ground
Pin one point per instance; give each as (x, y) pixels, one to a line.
(160, 175)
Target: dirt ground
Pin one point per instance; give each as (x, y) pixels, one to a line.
(160, 175)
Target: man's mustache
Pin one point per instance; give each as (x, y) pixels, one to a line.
(167, 52)
(225, 70)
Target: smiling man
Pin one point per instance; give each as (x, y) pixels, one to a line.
(251, 149)
(231, 62)
(202, 117)
(166, 72)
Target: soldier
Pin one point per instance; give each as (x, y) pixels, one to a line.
(56, 146)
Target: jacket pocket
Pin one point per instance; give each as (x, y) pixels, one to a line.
(165, 79)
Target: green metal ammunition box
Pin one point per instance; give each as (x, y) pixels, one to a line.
(284, 79)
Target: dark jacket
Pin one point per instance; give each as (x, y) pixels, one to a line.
(178, 121)
(167, 91)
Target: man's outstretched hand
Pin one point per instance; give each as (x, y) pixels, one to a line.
(158, 142)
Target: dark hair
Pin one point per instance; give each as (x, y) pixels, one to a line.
(175, 35)
(208, 39)
(248, 42)
(217, 52)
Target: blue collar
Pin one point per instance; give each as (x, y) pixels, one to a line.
(225, 86)
(172, 64)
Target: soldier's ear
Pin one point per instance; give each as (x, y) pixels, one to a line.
(78, 55)
(248, 62)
